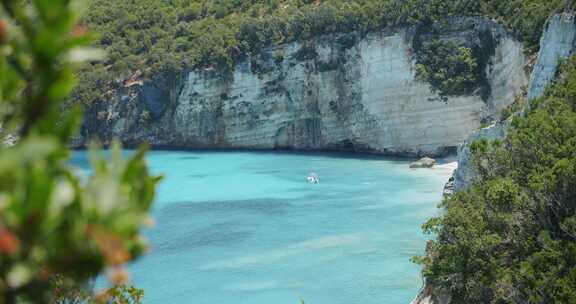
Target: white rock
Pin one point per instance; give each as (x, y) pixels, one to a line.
(425, 162)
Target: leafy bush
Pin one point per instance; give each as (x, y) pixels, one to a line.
(54, 223)
(450, 69)
(513, 108)
(145, 117)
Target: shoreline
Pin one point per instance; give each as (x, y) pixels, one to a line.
(447, 166)
(441, 160)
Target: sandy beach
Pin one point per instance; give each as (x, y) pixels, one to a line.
(446, 166)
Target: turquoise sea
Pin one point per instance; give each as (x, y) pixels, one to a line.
(247, 228)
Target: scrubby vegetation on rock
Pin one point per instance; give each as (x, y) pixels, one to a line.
(166, 36)
(511, 238)
(449, 68)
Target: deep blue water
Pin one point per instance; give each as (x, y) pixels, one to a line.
(247, 228)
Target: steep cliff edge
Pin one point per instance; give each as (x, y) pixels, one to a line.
(558, 42)
(338, 92)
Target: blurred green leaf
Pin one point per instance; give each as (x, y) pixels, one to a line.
(57, 226)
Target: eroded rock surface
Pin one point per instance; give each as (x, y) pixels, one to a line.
(347, 92)
(558, 42)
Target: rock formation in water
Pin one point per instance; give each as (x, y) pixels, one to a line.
(340, 92)
(425, 162)
(558, 41)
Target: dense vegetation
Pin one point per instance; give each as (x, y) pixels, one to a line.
(449, 68)
(511, 238)
(173, 35)
(58, 228)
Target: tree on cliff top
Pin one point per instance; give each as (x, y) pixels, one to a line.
(55, 225)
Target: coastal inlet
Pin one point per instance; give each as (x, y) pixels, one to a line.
(250, 228)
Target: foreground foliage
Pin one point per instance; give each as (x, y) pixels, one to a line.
(64, 291)
(511, 238)
(57, 224)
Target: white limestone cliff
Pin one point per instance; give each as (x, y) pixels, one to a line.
(558, 41)
(361, 96)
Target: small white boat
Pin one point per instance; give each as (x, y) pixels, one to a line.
(313, 178)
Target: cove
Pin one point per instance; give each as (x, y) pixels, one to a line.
(239, 227)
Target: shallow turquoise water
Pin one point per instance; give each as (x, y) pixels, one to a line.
(235, 228)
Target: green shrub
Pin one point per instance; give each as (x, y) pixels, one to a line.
(55, 224)
(145, 117)
(450, 69)
(513, 108)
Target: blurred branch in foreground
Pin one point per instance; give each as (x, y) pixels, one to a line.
(54, 225)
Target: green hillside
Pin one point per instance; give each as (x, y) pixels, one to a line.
(173, 35)
(511, 238)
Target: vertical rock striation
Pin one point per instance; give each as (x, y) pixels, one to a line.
(337, 92)
(558, 41)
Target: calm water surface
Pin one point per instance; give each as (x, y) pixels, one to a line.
(247, 228)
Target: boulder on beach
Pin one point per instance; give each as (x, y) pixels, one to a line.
(425, 162)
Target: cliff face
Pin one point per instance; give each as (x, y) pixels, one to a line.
(339, 92)
(558, 41)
